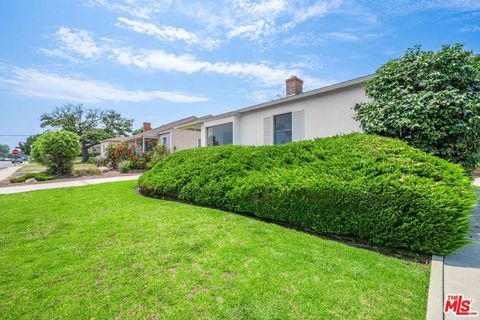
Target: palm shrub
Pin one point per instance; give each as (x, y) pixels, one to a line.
(56, 150)
(377, 189)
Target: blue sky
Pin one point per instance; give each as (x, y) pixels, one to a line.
(161, 60)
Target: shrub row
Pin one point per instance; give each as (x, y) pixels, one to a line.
(36, 176)
(379, 190)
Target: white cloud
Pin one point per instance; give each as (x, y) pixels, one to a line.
(74, 44)
(316, 10)
(471, 28)
(343, 36)
(167, 33)
(255, 20)
(143, 9)
(35, 83)
(260, 20)
(265, 74)
(247, 19)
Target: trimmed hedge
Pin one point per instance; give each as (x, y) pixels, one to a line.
(377, 189)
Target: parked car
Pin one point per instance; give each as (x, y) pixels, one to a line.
(2, 159)
(17, 160)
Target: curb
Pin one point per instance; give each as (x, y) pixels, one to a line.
(435, 290)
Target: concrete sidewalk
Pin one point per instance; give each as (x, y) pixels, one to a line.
(458, 273)
(461, 270)
(55, 185)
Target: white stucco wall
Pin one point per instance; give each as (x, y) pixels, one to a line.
(184, 139)
(324, 115)
(167, 136)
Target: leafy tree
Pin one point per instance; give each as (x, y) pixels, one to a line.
(91, 125)
(56, 150)
(429, 99)
(4, 150)
(26, 146)
(137, 131)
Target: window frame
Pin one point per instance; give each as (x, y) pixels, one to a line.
(216, 126)
(283, 130)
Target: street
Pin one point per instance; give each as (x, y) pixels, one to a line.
(8, 164)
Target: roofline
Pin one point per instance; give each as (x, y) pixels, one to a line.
(326, 89)
(198, 120)
(152, 133)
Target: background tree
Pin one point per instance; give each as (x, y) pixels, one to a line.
(431, 100)
(137, 131)
(56, 150)
(90, 124)
(26, 146)
(4, 150)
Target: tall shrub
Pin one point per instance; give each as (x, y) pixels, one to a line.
(429, 99)
(120, 152)
(376, 189)
(56, 150)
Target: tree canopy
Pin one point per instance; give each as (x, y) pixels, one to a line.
(92, 125)
(429, 99)
(26, 146)
(4, 150)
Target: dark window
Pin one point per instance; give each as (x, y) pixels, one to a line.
(282, 128)
(164, 140)
(220, 135)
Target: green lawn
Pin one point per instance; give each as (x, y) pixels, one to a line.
(104, 252)
(35, 167)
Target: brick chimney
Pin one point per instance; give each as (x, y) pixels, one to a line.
(147, 126)
(294, 86)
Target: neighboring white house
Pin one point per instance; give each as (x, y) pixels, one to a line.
(323, 112)
(105, 144)
(169, 134)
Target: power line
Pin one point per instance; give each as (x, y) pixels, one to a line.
(16, 135)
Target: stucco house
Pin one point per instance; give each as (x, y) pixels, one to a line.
(168, 134)
(105, 144)
(299, 115)
(322, 112)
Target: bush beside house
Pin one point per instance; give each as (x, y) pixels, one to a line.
(377, 189)
(429, 99)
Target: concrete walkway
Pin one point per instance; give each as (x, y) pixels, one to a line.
(55, 185)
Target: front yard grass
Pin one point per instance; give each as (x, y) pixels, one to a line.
(35, 167)
(106, 252)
